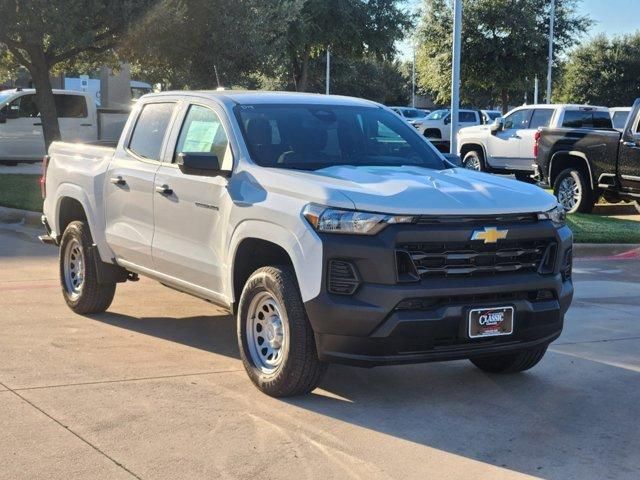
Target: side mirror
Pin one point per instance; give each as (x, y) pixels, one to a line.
(497, 125)
(453, 158)
(447, 120)
(202, 164)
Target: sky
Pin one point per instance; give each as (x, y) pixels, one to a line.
(612, 17)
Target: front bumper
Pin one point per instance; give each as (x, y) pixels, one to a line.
(369, 328)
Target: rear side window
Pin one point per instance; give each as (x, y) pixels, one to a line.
(541, 118)
(71, 106)
(586, 119)
(150, 129)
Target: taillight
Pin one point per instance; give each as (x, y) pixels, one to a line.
(43, 178)
(536, 143)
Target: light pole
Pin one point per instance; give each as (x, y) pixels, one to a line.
(455, 73)
(328, 76)
(413, 78)
(552, 20)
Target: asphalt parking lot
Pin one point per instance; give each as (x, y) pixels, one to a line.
(154, 388)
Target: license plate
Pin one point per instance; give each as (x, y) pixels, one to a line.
(490, 322)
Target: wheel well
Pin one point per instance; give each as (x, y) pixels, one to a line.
(468, 147)
(70, 210)
(433, 133)
(562, 161)
(252, 254)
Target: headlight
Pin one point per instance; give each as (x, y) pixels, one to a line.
(557, 215)
(335, 220)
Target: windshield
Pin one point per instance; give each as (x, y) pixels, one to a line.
(438, 115)
(413, 113)
(311, 137)
(493, 114)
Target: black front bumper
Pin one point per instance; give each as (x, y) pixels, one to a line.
(376, 326)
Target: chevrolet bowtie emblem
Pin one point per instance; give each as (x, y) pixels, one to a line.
(489, 234)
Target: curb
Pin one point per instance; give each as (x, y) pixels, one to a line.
(21, 217)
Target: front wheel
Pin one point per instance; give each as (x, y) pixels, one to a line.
(277, 343)
(573, 191)
(473, 161)
(78, 276)
(510, 363)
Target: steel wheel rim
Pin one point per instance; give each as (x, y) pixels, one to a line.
(74, 268)
(266, 333)
(473, 163)
(569, 193)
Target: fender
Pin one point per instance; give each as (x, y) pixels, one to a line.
(76, 192)
(573, 153)
(477, 142)
(304, 248)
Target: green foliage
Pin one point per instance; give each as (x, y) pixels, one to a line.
(20, 191)
(504, 43)
(603, 72)
(589, 228)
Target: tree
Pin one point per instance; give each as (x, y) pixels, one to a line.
(504, 45)
(603, 72)
(40, 35)
(304, 29)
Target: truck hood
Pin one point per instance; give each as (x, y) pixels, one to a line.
(417, 190)
(472, 131)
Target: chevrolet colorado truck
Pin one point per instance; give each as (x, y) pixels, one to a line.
(582, 165)
(506, 145)
(331, 228)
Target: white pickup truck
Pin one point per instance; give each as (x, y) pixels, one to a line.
(507, 144)
(21, 137)
(329, 226)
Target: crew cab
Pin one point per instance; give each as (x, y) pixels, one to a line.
(330, 227)
(506, 145)
(437, 126)
(582, 164)
(21, 137)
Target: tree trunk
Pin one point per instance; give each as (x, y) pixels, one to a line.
(44, 97)
(304, 74)
(505, 100)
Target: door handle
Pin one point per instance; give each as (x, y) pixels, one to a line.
(515, 136)
(85, 124)
(119, 181)
(630, 144)
(39, 124)
(164, 189)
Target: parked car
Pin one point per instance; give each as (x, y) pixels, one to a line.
(582, 165)
(506, 146)
(327, 225)
(414, 116)
(489, 116)
(21, 137)
(437, 126)
(619, 116)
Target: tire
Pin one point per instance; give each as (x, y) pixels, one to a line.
(284, 332)
(84, 296)
(510, 363)
(573, 191)
(473, 161)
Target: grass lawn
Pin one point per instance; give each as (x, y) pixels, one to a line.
(20, 191)
(598, 229)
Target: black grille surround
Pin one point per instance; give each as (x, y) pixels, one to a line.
(342, 277)
(431, 259)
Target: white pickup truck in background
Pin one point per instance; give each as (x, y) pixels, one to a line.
(507, 145)
(328, 225)
(21, 137)
(437, 125)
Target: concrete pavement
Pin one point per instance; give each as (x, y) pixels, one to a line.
(154, 388)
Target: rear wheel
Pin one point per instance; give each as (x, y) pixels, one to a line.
(78, 276)
(473, 161)
(276, 341)
(573, 191)
(510, 363)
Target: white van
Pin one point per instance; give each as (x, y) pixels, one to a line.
(21, 136)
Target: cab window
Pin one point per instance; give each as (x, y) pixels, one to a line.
(541, 118)
(149, 131)
(202, 132)
(517, 120)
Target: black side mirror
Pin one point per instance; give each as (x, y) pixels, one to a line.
(453, 158)
(447, 120)
(497, 125)
(202, 164)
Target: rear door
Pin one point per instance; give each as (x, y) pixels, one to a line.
(21, 138)
(75, 118)
(504, 145)
(188, 235)
(129, 189)
(629, 156)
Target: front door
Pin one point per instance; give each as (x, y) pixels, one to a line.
(188, 234)
(504, 145)
(129, 186)
(21, 138)
(629, 157)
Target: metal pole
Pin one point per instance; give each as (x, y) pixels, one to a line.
(455, 74)
(535, 91)
(413, 78)
(328, 76)
(552, 20)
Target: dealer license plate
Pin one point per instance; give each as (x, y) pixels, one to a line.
(490, 322)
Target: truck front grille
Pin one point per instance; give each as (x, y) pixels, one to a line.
(471, 258)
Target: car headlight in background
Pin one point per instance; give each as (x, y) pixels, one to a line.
(557, 215)
(336, 220)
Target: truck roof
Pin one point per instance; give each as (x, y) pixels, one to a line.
(55, 90)
(253, 97)
(563, 105)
